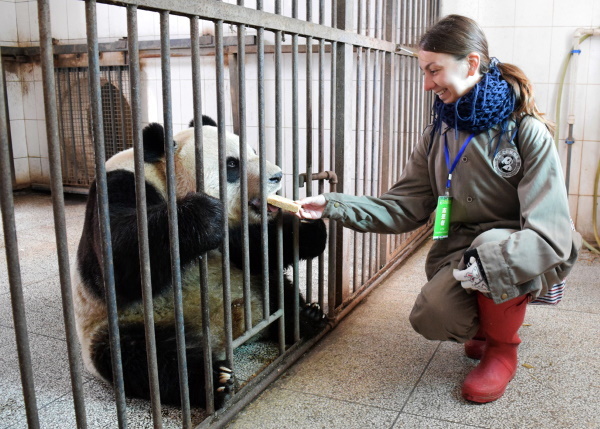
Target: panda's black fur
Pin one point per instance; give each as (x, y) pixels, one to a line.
(200, 217)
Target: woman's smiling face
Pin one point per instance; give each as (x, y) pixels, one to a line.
(448, 77)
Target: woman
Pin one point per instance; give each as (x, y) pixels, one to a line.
(489, 153)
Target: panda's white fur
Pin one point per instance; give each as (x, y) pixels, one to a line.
(200, 220)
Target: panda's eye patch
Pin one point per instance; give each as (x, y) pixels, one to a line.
(232, 163)
(233, 169)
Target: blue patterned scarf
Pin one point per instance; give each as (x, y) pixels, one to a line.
(490, 102)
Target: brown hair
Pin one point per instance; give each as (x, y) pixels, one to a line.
(459, 36)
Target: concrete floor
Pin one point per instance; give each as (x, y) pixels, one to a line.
(373, 370)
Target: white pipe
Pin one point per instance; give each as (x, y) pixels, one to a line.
(575, 51)
(579, 33)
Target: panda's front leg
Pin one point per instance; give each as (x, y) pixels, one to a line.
(312, 319)
(312, 238)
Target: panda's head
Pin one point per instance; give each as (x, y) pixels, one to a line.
(185, 168)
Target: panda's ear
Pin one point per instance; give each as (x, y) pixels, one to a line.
(206, 121)
(154, 142)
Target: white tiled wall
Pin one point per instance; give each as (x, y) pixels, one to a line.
(537, 35)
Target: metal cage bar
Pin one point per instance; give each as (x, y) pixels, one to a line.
(241, 77)
(102, 197)
(309, 139)
(13, 266)
(262, 151)
(172, 215)
(58, 204)
(279, 161)
(142, 214)
(295, 173)
(223, 187)
(203, 262)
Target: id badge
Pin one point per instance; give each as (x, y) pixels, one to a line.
(441, 227)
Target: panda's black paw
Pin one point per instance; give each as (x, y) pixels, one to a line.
(312, 319)
(202, 215)
(222, 382)
(313, 238)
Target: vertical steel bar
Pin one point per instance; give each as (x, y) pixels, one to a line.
(141, 209)
(241, 71)
(333, 154)
(421, 92)
(356, 236)
(321, 125)
(405, 95)
(295, 173)
(279, 161)
(415, 89)
(411, 84)
(363, 271)
(165, 67)
(58, 205)
(12, 262)
(262, 152)
(223, 186)
(334, 14)
(383, 145)
(368, 18)
(374, 147)
(377, 20)
(203, 262)
(358, 152)
(386, 122)
(102, 198)
(343, 137)
(309, 139)
(359, 18)
(322, 12)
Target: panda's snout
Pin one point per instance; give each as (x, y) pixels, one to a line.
(276, 178)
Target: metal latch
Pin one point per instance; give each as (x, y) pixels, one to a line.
(323, 175)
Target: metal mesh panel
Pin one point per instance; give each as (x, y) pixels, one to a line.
(74, 115)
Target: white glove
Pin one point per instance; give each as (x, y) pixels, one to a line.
(470, 277)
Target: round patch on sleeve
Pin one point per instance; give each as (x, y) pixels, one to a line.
(507, 162)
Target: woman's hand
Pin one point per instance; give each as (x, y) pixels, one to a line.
(312, 207)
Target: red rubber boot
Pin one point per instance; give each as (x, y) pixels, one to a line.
(475, 346)
(499, 323)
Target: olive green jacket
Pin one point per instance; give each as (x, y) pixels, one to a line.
(515, 184)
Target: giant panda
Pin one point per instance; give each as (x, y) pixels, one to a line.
(200, 217)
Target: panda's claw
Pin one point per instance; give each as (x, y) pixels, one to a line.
(223, 382)
(312, 319)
